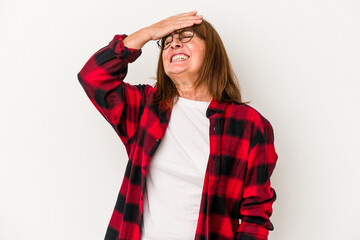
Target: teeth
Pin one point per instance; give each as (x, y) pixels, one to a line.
(179, 57)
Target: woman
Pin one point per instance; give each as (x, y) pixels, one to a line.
(196, 174)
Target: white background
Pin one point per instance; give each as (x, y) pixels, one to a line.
(62, 164)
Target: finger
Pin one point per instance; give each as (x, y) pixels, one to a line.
(187, 24)
(187, 13)
(192, 20)
(175, 23)
(189, 18)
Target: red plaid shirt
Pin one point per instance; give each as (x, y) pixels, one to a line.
(241, 161)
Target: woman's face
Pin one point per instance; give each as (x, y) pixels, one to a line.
(184, 59)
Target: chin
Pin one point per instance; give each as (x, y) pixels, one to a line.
(173, 72)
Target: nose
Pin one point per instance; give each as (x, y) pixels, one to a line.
(176, 42)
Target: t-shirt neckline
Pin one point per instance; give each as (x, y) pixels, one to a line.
(192, 103)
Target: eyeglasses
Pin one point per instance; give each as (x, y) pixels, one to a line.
(184, 36)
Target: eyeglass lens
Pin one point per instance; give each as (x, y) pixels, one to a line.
(184, 36)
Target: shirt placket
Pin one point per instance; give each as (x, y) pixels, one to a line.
(213, 168)
(161, 127)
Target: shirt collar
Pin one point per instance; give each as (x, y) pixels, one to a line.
(215, 107)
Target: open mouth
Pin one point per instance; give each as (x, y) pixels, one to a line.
(179, 57)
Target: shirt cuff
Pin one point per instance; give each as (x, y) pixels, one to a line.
(123, 52)
(253, 228)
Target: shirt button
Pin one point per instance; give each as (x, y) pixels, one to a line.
(214, 129)
(157, 140)
(144, 167)
(141, 198)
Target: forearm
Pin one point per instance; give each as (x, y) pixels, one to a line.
(137, 39)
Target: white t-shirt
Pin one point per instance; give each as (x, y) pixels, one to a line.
(176, 174)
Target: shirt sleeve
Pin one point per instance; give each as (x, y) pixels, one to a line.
(119, 102)
(258, 195)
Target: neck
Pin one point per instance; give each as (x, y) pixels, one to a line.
(187, 90)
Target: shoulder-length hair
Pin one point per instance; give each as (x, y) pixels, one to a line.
(216, 72)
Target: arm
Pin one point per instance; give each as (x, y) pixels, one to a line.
(103, 74)
(258, 195)
(102, 79)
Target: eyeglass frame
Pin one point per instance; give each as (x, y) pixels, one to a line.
(177, 32)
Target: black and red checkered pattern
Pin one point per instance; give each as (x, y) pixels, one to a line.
(241, 161)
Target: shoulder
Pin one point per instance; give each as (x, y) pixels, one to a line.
(246, 113)
(244, 127)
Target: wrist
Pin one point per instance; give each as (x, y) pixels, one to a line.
(137, 40)
(146, 33)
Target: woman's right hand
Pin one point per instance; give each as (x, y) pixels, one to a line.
(160, 29)
(170, 24)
